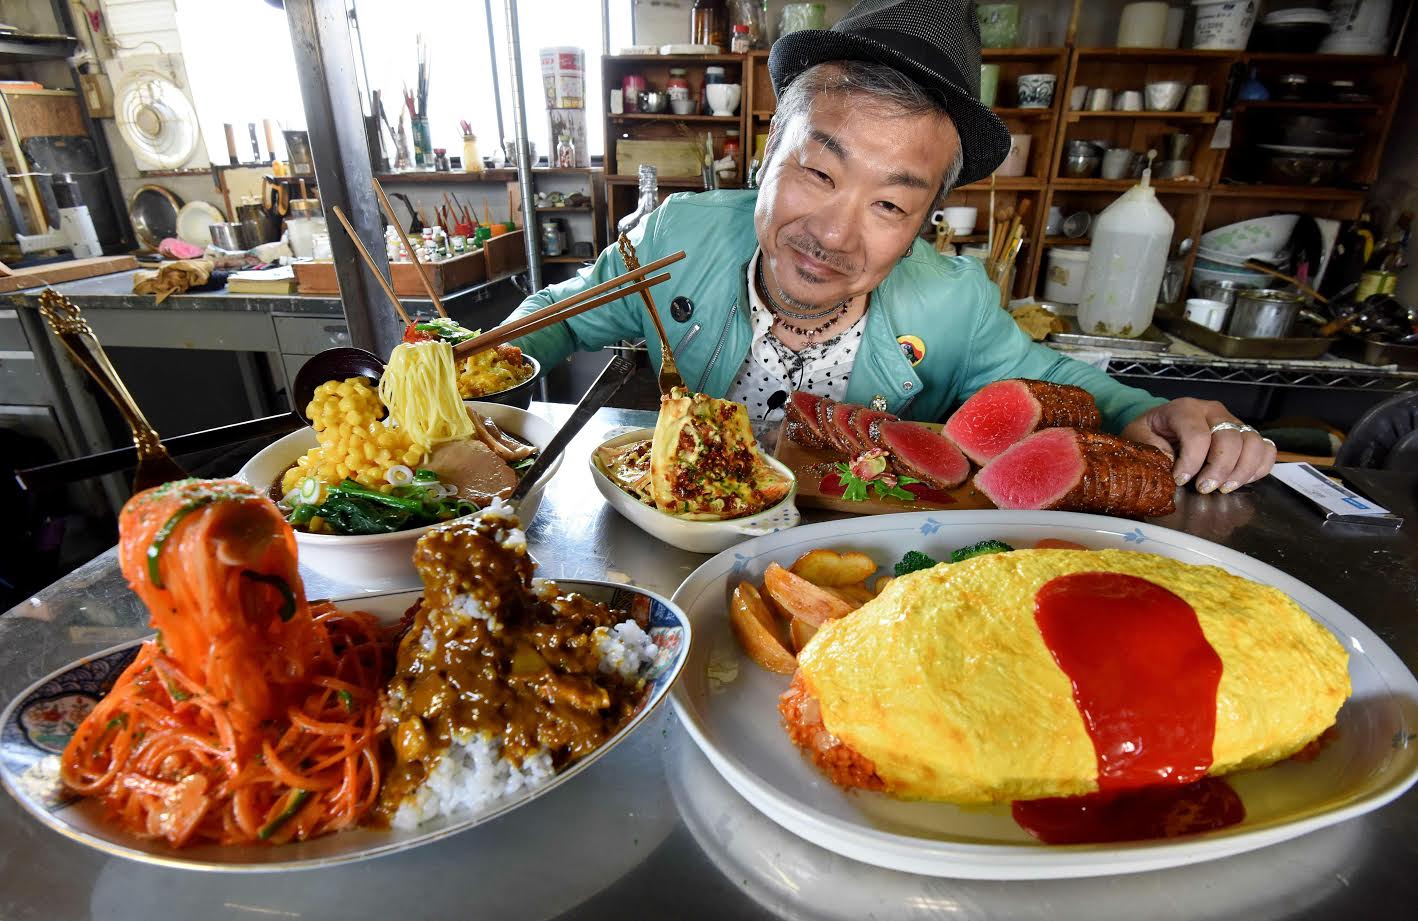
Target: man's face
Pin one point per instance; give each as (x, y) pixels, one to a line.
(845, 193)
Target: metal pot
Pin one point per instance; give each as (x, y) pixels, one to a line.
(226, 236)
(1265, 313)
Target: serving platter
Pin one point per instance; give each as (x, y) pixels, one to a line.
(38, 723)
(729, 706)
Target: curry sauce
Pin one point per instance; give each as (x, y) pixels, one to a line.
(492, 651)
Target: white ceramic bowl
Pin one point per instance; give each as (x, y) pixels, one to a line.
(694, 536)
(1254, 238)
(1201, 275)
(386, 560)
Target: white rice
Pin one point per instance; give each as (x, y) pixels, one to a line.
(624, 649)
(469, 606)
(470, 774)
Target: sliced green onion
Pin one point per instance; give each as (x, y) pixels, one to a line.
(347, 699)
(164, 532)
(298, 799)
(423, 473)
(399, 475)
(309, 490)
(288, 603)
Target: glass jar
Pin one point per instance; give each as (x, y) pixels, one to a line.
(709, 23)
(677, 87)
(731, 149)
(750, 13)
(565, 152)
(740, 43)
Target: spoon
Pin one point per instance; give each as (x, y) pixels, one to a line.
(669, 377)
(155, 465)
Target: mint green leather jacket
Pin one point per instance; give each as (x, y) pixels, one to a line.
(946, 302)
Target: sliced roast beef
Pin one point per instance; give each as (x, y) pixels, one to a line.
(803, 425)
(923, 453)
(1073, 471)
(1002, 413)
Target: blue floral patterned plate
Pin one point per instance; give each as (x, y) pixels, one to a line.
(37, 725)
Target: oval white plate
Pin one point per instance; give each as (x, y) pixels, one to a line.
(694, 536)
(37, 724)
(729, 706)
(193, 221)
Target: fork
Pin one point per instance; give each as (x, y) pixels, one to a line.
(155, 465)
(669, 374)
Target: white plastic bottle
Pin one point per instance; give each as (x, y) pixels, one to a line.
(1131, 239)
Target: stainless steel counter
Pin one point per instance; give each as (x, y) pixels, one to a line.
(652, 831)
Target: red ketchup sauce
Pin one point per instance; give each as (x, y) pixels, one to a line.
(1144, 678)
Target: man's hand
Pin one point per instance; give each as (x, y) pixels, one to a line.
(1183, 428)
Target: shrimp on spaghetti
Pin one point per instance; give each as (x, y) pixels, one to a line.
(253, 715)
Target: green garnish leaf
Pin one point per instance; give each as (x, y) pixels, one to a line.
(347, 699)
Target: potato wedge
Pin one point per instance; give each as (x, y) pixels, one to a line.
(831, 569)
(801, 631)
(856, 592)
(842, 595)
(881, 583)
(802, 600)
(755, 629)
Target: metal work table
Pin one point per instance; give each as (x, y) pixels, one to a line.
(653, 831)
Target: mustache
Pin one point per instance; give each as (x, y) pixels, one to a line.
(808, 245)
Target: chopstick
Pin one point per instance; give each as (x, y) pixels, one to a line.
(633, 275)
(541, 319)
(413, 254)
(373, 268)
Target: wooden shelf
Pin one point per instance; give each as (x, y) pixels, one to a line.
(671, 117)
(763, 113)
(566, 209)
(1163, 187)
(1067, 241)
(1020, 54)
(1358, 61)
(1005, 184)
(1205, 118)
(676, 181)
(1295, 192)
(1303, 106)
(569, 260)
(1006, 112)
(1155, 54)
(677, 58)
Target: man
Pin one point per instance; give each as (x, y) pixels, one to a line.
(814, 282)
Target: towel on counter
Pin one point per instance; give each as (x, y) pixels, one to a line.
(173, 278)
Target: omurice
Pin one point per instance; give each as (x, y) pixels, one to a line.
(1060, 673)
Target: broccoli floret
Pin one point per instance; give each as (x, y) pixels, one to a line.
(913, 560)
(980, 549)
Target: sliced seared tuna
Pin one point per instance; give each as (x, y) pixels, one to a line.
(803, 425)
(1002, 413)
(864, 426)
(1074, 471)
(837, 429)
(924, 454)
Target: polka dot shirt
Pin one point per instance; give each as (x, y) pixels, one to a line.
(822, 368)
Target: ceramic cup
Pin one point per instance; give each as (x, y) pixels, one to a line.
(723, 97)
(1129, 101)
(1077, 98)
(989, 83)
(961, 219)
(1054, 223)
(1208, 313)
(1100, 99)
(1017, 162)
(1117, 163)
(1036, 91)
(1197, 99)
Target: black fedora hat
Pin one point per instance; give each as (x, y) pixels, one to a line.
(934, 42)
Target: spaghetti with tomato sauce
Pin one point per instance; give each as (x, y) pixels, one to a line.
(253, 716)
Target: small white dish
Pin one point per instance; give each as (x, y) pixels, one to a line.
(193, 220)
(694, 536)
(383, 561)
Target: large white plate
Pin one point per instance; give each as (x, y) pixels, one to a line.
(37, 724)
(729, 706)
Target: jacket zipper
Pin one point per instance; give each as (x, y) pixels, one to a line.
(686, 339)
(718, 347)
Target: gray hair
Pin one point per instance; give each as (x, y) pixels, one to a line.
(887, 85)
